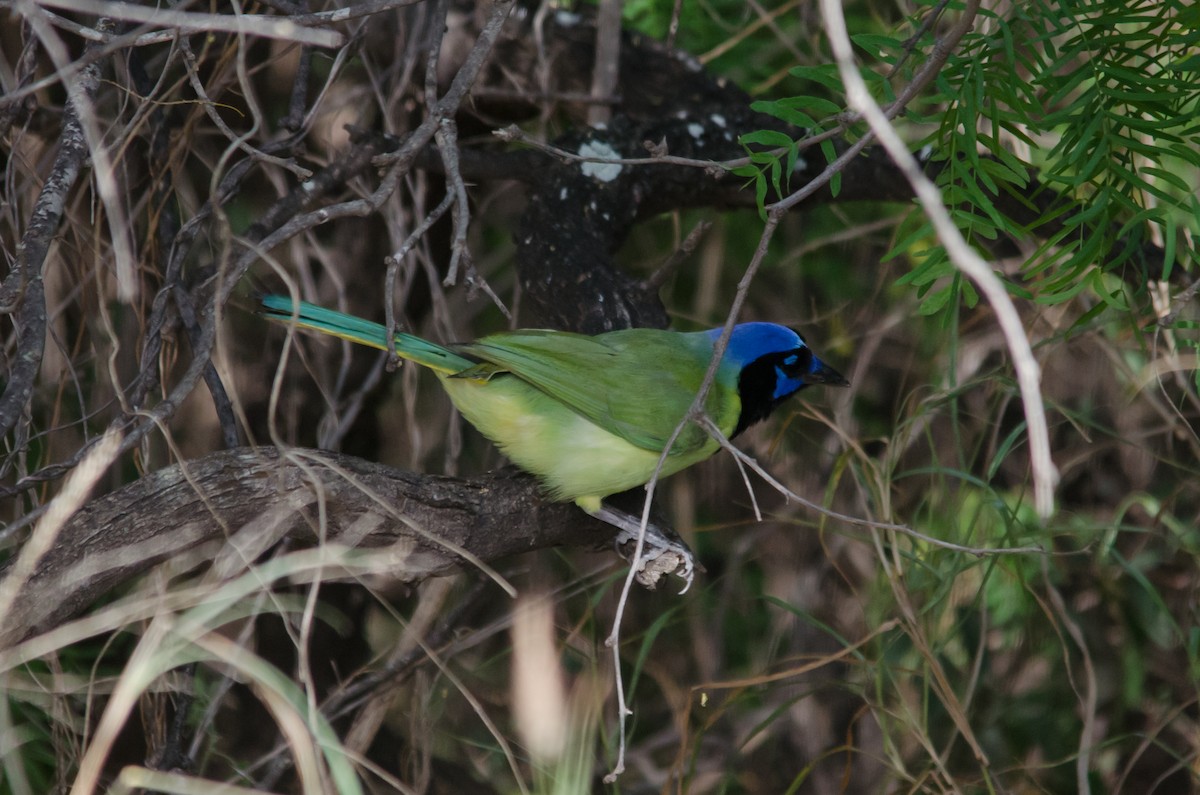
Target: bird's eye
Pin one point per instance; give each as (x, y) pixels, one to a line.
(798, 361)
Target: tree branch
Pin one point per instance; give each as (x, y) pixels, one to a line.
(247, 500)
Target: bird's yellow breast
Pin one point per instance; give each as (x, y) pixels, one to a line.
(573, 457)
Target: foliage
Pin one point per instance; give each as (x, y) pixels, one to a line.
(1101, 100)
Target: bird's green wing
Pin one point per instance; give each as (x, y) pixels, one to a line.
(636, 383)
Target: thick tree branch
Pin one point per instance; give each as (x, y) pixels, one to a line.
(250, 499)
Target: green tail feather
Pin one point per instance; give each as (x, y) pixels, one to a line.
(364, 332)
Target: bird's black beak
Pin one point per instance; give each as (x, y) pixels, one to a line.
(824, 374)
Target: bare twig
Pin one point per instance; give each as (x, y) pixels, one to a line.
(460, 85)
(364, 8)
(673, 27)
(748, 30)
(26, 66)
(606, 68)
(910, 44)
(1088, 731)
(937, 59)
(433, 50)
(515, 134)
(222, 405)
(314, 19)
(1184, 298)
(447, 141)
(393, 263)
(294, 120)
(210, 109)
(657, 279)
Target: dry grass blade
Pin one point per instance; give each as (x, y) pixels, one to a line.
(45, 533)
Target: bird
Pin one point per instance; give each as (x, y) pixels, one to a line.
(590, 415)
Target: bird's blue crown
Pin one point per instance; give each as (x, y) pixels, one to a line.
(750, 341)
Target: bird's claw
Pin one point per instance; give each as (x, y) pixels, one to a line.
(660, 557)
(663, 552)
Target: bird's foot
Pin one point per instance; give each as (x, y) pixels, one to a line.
(662, 554)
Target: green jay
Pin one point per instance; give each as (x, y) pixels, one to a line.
(589, 416)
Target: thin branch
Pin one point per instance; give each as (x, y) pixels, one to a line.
(937, 59)
(447, 142)
(244, 24)
(294, 120)
(694, 413)
(393, 262)
(515, 134)
(1088, 730)
(463, 80)
(237, 140)
(358, 10)
(104, 173)
(24, 71)
(657, 279)
(745, 31)
(606, 66)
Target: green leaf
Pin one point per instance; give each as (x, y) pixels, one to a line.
(882, 47)
(1188, 64)
(1169, 235)
(935, 302)
(1169, 176)
(768, 138)
(826, 74)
